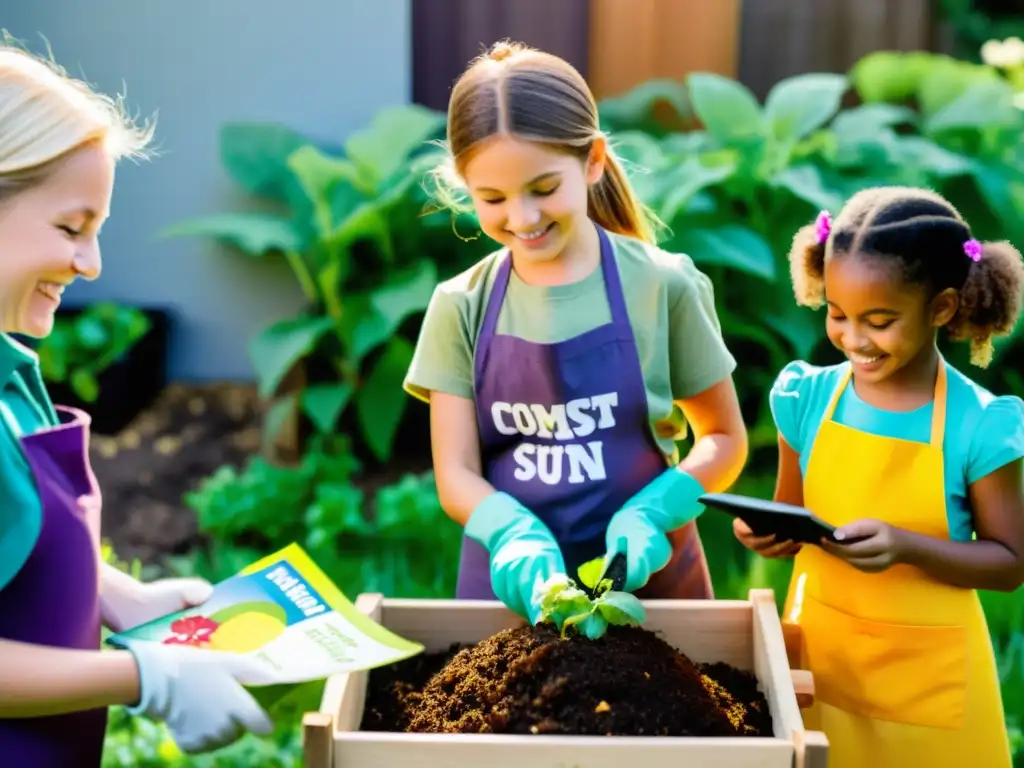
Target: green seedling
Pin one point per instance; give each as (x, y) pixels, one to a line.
(592, 608)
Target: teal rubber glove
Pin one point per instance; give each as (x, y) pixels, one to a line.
(668, 502)
(523, 551)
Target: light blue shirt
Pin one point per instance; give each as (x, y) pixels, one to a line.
(983, 432)
(24, 407)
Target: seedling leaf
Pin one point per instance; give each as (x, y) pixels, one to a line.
(565, 605)
(590, 572)
(621, 608)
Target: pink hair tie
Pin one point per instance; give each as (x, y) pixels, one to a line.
(823, 226)
(973, 249)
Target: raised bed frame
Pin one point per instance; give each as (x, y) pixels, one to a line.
(745, 633)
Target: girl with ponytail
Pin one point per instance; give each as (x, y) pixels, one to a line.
(561, 367)
(919, 469)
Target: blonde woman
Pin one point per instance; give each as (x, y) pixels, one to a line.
(59, 144)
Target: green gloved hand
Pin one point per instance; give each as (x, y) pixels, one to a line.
(523, 551)
(669, 502)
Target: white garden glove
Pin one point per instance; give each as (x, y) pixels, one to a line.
(127, 602)
(198, 695)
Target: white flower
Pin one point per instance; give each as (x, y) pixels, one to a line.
(1003, 54)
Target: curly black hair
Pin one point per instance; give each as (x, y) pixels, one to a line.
(924, 235)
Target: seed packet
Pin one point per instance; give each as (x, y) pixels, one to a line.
(285, 613)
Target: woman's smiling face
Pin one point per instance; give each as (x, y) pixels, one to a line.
(49, 237)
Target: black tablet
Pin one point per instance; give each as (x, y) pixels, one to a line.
(786, 521)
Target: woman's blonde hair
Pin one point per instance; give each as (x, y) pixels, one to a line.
(518, 91)
(45, 114)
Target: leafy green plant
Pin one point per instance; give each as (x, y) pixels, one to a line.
(348, 221)
(81, 348)
(734, 188)
(399, 542)
(588, 611)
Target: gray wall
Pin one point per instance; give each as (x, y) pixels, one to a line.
(321, 66)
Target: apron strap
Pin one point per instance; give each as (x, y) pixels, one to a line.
(616, 296)
(837, 393)
(497, 297)
(939, 407)
(938, 431)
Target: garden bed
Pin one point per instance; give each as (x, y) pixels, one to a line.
(704, 683)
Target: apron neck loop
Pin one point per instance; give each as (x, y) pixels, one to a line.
(938, 408)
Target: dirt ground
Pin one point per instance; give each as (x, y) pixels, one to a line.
(188, 433)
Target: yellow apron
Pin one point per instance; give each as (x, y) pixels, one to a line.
(903, 665)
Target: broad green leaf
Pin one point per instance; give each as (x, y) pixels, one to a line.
(730, 245)
(395, 132)
(923, 153)
(370, 320)
(727, 108)
(590, 572)
(381, 400)
(367, 222)
(323, 403)
(276, 349)
(252, 233)
(621, 608)
(687, 180)
(805, 181)
(256, 155)
(867, 118)
(799, 105)
(890, 76)
(949, 79)
(636, 109)
(983, 105)
(319, 173)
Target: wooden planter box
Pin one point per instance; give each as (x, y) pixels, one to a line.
(745, 633)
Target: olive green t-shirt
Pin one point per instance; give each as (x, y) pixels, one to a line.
(25, 408)
(670, 305)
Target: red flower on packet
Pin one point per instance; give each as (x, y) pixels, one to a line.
(191, 630)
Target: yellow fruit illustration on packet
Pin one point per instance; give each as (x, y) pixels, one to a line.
(238, 629)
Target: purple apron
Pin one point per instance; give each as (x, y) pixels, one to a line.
(564, 429)
(54, 599)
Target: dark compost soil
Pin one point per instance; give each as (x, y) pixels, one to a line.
(530, 681)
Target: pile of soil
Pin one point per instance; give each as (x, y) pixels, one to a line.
(530, 681)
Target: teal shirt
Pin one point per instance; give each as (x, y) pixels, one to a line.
(25, 407)
(983, 432)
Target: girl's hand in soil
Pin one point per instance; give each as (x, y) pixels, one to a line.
(523, 551)
(126, 602)
(875, 546)
(765, 546)
(669, 502)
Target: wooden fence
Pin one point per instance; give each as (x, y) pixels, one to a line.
(617, 44)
